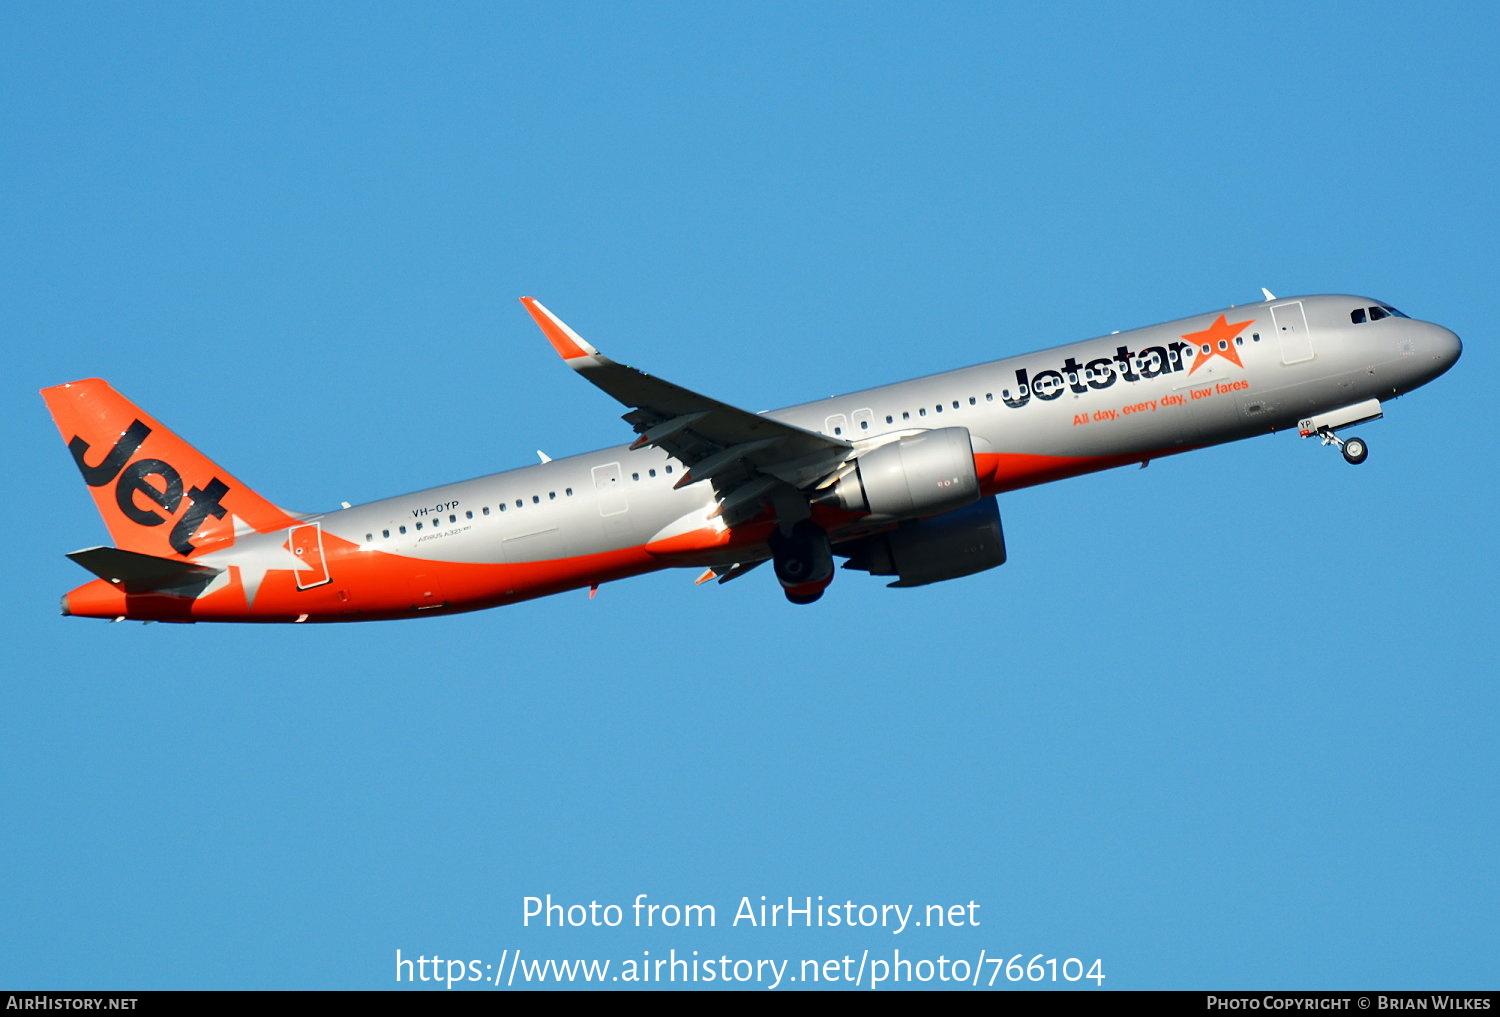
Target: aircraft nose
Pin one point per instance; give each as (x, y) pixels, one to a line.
(1445, 347)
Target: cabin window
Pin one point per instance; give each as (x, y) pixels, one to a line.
(669, 469)
(454, 519)
(989, 397)
(973, 401)
(922, 412)
(403, 531)
(889, 419)
(520, 502)
(419, 526)
(568, 492)
(485, 510)
(939, 407)
(536, 499)
(1223, 344)
(651, 473)
(905, 414)
(369, 538)
(864, 425)
(551, 495)
(386, 534)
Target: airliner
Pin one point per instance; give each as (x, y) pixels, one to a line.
(900, 481)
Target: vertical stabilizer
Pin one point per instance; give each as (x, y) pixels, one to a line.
(158, 494)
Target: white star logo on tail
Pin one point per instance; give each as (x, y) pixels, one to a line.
(251, 557)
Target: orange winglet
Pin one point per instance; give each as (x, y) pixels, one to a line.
(568, 344)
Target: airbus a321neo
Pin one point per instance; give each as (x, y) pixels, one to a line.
(900, 480)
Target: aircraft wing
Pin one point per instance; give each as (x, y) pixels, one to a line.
(744, 454)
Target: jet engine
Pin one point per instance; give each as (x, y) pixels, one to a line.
(922, 551)
(923, 474)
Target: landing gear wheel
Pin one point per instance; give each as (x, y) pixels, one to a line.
(1355, 451)
(803, 561)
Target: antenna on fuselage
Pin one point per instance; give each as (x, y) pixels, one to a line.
(1268, 293)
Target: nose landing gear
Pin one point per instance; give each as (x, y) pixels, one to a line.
(1323, 424)
(1354, 449)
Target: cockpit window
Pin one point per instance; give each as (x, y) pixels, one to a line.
(1358, 315)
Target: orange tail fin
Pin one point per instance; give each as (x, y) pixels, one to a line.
(158, 495)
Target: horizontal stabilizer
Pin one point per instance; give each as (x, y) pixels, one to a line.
(145, 573)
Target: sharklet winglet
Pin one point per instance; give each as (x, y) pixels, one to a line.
(568, 344)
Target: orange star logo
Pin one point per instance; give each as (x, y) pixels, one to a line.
(1217, 340)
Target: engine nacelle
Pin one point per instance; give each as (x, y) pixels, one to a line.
(922, 551)
(918, 475)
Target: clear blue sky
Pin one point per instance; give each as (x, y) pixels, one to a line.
(1226, 722)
